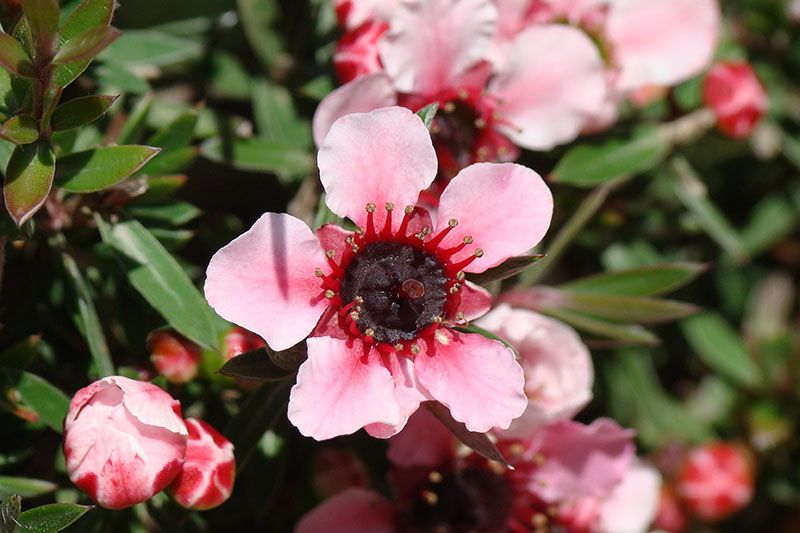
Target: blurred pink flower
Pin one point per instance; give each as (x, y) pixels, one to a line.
(124, 441)
(206, 479)
(732, 90)
(336, 469)
(381, 301)
(174, 356)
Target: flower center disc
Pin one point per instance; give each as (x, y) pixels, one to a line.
(402, 287)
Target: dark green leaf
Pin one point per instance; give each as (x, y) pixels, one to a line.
(178, 134)
(162, 282)
(259, 155)
(48, 402)
(137, 121)
(51, 518)
(173, 213)
(80, 111)
(637, 309)
(25, 487)
(20, 129)
(29, 177)
(260, 20)
(511, 267)
(152, 48)
(89, 15)
(771, 220)
(94, 170)
(719, 346)
(121, 78)
(86, 46)
(428, 113)
(255, 364)
(643, 281)
(170, 161)
(590, 165)
(258, 414)
(43, 17)
(9, 513)
(479, 442)
(21, 354)
(14, 57)
(625, 333)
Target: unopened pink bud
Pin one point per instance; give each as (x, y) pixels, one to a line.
(732, 90)
(208, 473)
(174, 356)
(357, 52)
(124, 441)
(239, 340)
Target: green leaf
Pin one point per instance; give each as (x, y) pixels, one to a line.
(771, 220)
(158, 277)
(276, 117)
(428, 113)
(20, 129)
(94, 170)
(43, 17)
(170, 161)
(173, 213)
(625, 333)
(89, 15)
(136, 123)
(86, 46)
(177, 134)
(52, 517)
(80, 111)
(721, 348)
(636, 309)
(152, 48)
(479, 442)
(29, 177)
(25, 487)
(259, 155)
(590, 165)
(9, 513)
(643, 281)
(121, 79)
(21, 354)
(510, 267)
(48, 402)
(92, 329)
(260, 20)
(258, 414)
(14, 57)
(256, 365)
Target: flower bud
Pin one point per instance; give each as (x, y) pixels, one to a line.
(716, 481)
(124, 441)
(357, 52)
(174, 356)
(670, 516)
(206, 479)
(238, 341)
(736, 96)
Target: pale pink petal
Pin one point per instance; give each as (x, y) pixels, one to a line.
(557, 364)
(264, 280)
(431, 43)
(551, 85)
(407, 391)
(633, 504)
(333, 237)
(423, 442)
(361, 95)
(341, 389)
(354, 13)
(152, 405)
(477, 378)
(581, 461)
(385, 156)
(475, 301)
(661, 42)
(505, 208)
(354, 510)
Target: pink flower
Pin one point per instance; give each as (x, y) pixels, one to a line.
(381, 301)
(732, 90)
(354, 510)
(238, 341)
(633, 503)
(174, 356)
(124, 441)
(357, 52)
(558, 366)
(206, 479)
(336, 469)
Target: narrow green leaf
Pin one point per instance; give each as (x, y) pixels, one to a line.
(9, 513)
(152, 48)
(49, 403)
(80, 111)
(428, 113)
(479, 442)
(258, 414)
(643, 281)
(14, 57)
(87, 16)
(255, 364)
(92, 329)
(590, 165)
(136, 123)
(20, 129)
(21, 354)
(158, 277)
(43, 17)
(86, 46)
(511, 267)
(260, 20)
(259, 155)
(117, 78)
(170, 161)
(172, 213)
(94, 170)
(177, 134)
(721, 348)
(276, 117)
(52, 517)
(25, 487)
(29, 177)
(771, 220)
(636, 309)
(625, 333)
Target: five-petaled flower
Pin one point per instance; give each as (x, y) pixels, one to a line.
(381, 305)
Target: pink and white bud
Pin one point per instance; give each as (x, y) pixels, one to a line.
(716, 481)
(238, 341)
(124, 441)
(206, 480)
(732, 90)
(174, 356)
(357, 51)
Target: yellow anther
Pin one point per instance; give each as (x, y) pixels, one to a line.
(478, 253)
(435, 477)
(437, 319)
(480, 123)
(539, 520)
(454, 288)
(468, 239)
(415, 349)
(389, 206)
(354, 316)
(358, 300)
(408, 209)
(538, 459)
(329, 294)
(399, 346)
(430, 497)
(452, 222)
(449, 107)
(370, 208)
(318, 272)
(460, 276)
(463, 94)
(369, 332)
(331, 254)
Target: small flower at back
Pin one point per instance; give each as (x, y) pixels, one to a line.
(732, 90)
(174, 356)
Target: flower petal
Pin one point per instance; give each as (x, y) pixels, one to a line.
(264, 280)
(475, 301)
(407, 392)
(633, 504)
(354, 510)
(378, 157)
(340, 389)
(551, 85)
(361, 95)
(423, 442)
(431, 43)
(661, 42)
(477, 378)
(506, 209)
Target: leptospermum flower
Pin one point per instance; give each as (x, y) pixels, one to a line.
(733, 91)
(380, 303)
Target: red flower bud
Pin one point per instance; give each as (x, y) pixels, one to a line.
(357, 52)
(174, 356)
(732, 90)
(670, 516)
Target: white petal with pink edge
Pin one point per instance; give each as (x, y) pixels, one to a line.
(385, 156)
(264, 280)
(506, 209)
(552, 83)
(432, 43)
(340, 389)
(477, 378)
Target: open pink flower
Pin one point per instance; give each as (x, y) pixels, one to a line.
(558, 366)
(381, 301)
(124, 441)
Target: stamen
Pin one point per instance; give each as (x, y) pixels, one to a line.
(370, 234)
(329, 294)
(387, 226)
(369, 332)
(450, 252)
(463, 94)
(449, 107)
(463, 264)
(430, 497)
(399, 347)
(434, 242)
(435, 477)
(415, 349)
(318, 272)
(480, 123)
(406, 219)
